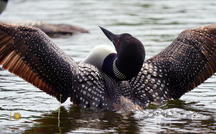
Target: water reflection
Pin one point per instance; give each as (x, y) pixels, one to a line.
(174, 117)
(77, 120)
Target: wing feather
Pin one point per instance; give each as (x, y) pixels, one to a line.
(28, 53)
(189, 60)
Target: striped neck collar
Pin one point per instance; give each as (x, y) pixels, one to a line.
(116, 71)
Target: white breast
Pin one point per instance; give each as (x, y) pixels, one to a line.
(98, 54)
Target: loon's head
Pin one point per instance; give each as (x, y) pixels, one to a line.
(3, 4)
(130, 56)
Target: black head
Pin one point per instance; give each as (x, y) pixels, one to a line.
(117, 39)
(130, 52)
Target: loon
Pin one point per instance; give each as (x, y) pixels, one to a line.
(53, 30)
(179, 68)
(124, 64)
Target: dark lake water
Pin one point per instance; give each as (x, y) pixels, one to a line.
(155, 22)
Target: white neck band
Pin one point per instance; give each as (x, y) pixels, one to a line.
(117, 73)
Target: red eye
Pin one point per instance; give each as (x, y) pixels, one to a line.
(117, 43)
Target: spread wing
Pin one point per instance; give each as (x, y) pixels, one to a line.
(189, 60)
(29, 53)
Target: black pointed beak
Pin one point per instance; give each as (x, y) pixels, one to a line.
(111, 36)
